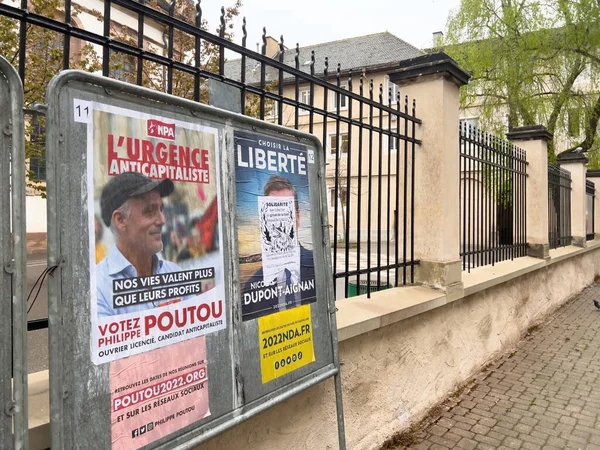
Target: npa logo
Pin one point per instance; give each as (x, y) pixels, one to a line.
(161, 130)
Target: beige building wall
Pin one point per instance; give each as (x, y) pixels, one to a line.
(479, 198)
(402, 351)
(477, 206)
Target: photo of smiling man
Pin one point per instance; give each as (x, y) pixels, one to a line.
(132, 207)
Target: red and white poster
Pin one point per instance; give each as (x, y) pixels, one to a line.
(155, 240)
(157, 393)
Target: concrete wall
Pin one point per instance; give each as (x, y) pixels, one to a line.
(394, 374)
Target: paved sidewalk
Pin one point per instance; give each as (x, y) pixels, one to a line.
(543, 395)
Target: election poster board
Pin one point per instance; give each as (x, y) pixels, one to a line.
(167, 346)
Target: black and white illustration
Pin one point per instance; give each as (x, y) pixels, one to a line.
(279, 243)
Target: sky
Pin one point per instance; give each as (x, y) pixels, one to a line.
(315, 21)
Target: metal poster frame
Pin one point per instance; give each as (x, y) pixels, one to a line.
(79, 390)
(13, 316)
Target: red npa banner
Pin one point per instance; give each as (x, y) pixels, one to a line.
(161, 130)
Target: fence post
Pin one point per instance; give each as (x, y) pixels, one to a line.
(576, 164)
(534, 140)
(434, 80)
(594, 175)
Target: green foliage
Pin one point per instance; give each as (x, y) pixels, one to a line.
(532, 61)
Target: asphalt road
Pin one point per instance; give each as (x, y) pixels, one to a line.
(37, 342)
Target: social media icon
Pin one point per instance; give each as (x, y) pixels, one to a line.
(134, 433)
(143, 429)
(150, 426)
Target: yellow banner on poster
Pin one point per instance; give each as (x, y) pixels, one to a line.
(286, 343)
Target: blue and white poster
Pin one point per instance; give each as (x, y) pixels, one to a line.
(274, 232)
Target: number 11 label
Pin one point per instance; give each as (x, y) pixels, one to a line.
(82, 111)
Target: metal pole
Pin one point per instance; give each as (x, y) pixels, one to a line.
(332, 320)
(18, 409)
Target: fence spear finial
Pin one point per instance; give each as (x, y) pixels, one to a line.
(222, 29)
(244, 32)
(198, 14)
(361, 82)
(350, 80)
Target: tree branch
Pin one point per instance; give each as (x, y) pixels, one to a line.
(590, 131)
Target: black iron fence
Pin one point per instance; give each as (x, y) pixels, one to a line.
(492, 199)
(590, 203)
(367, 130)
(559, 206)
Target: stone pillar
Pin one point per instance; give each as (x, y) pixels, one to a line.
(594, 176)
(433, 81)
(576, 164)
(534, 140)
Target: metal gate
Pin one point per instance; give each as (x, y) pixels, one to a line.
(13, 318)
(559, 206)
